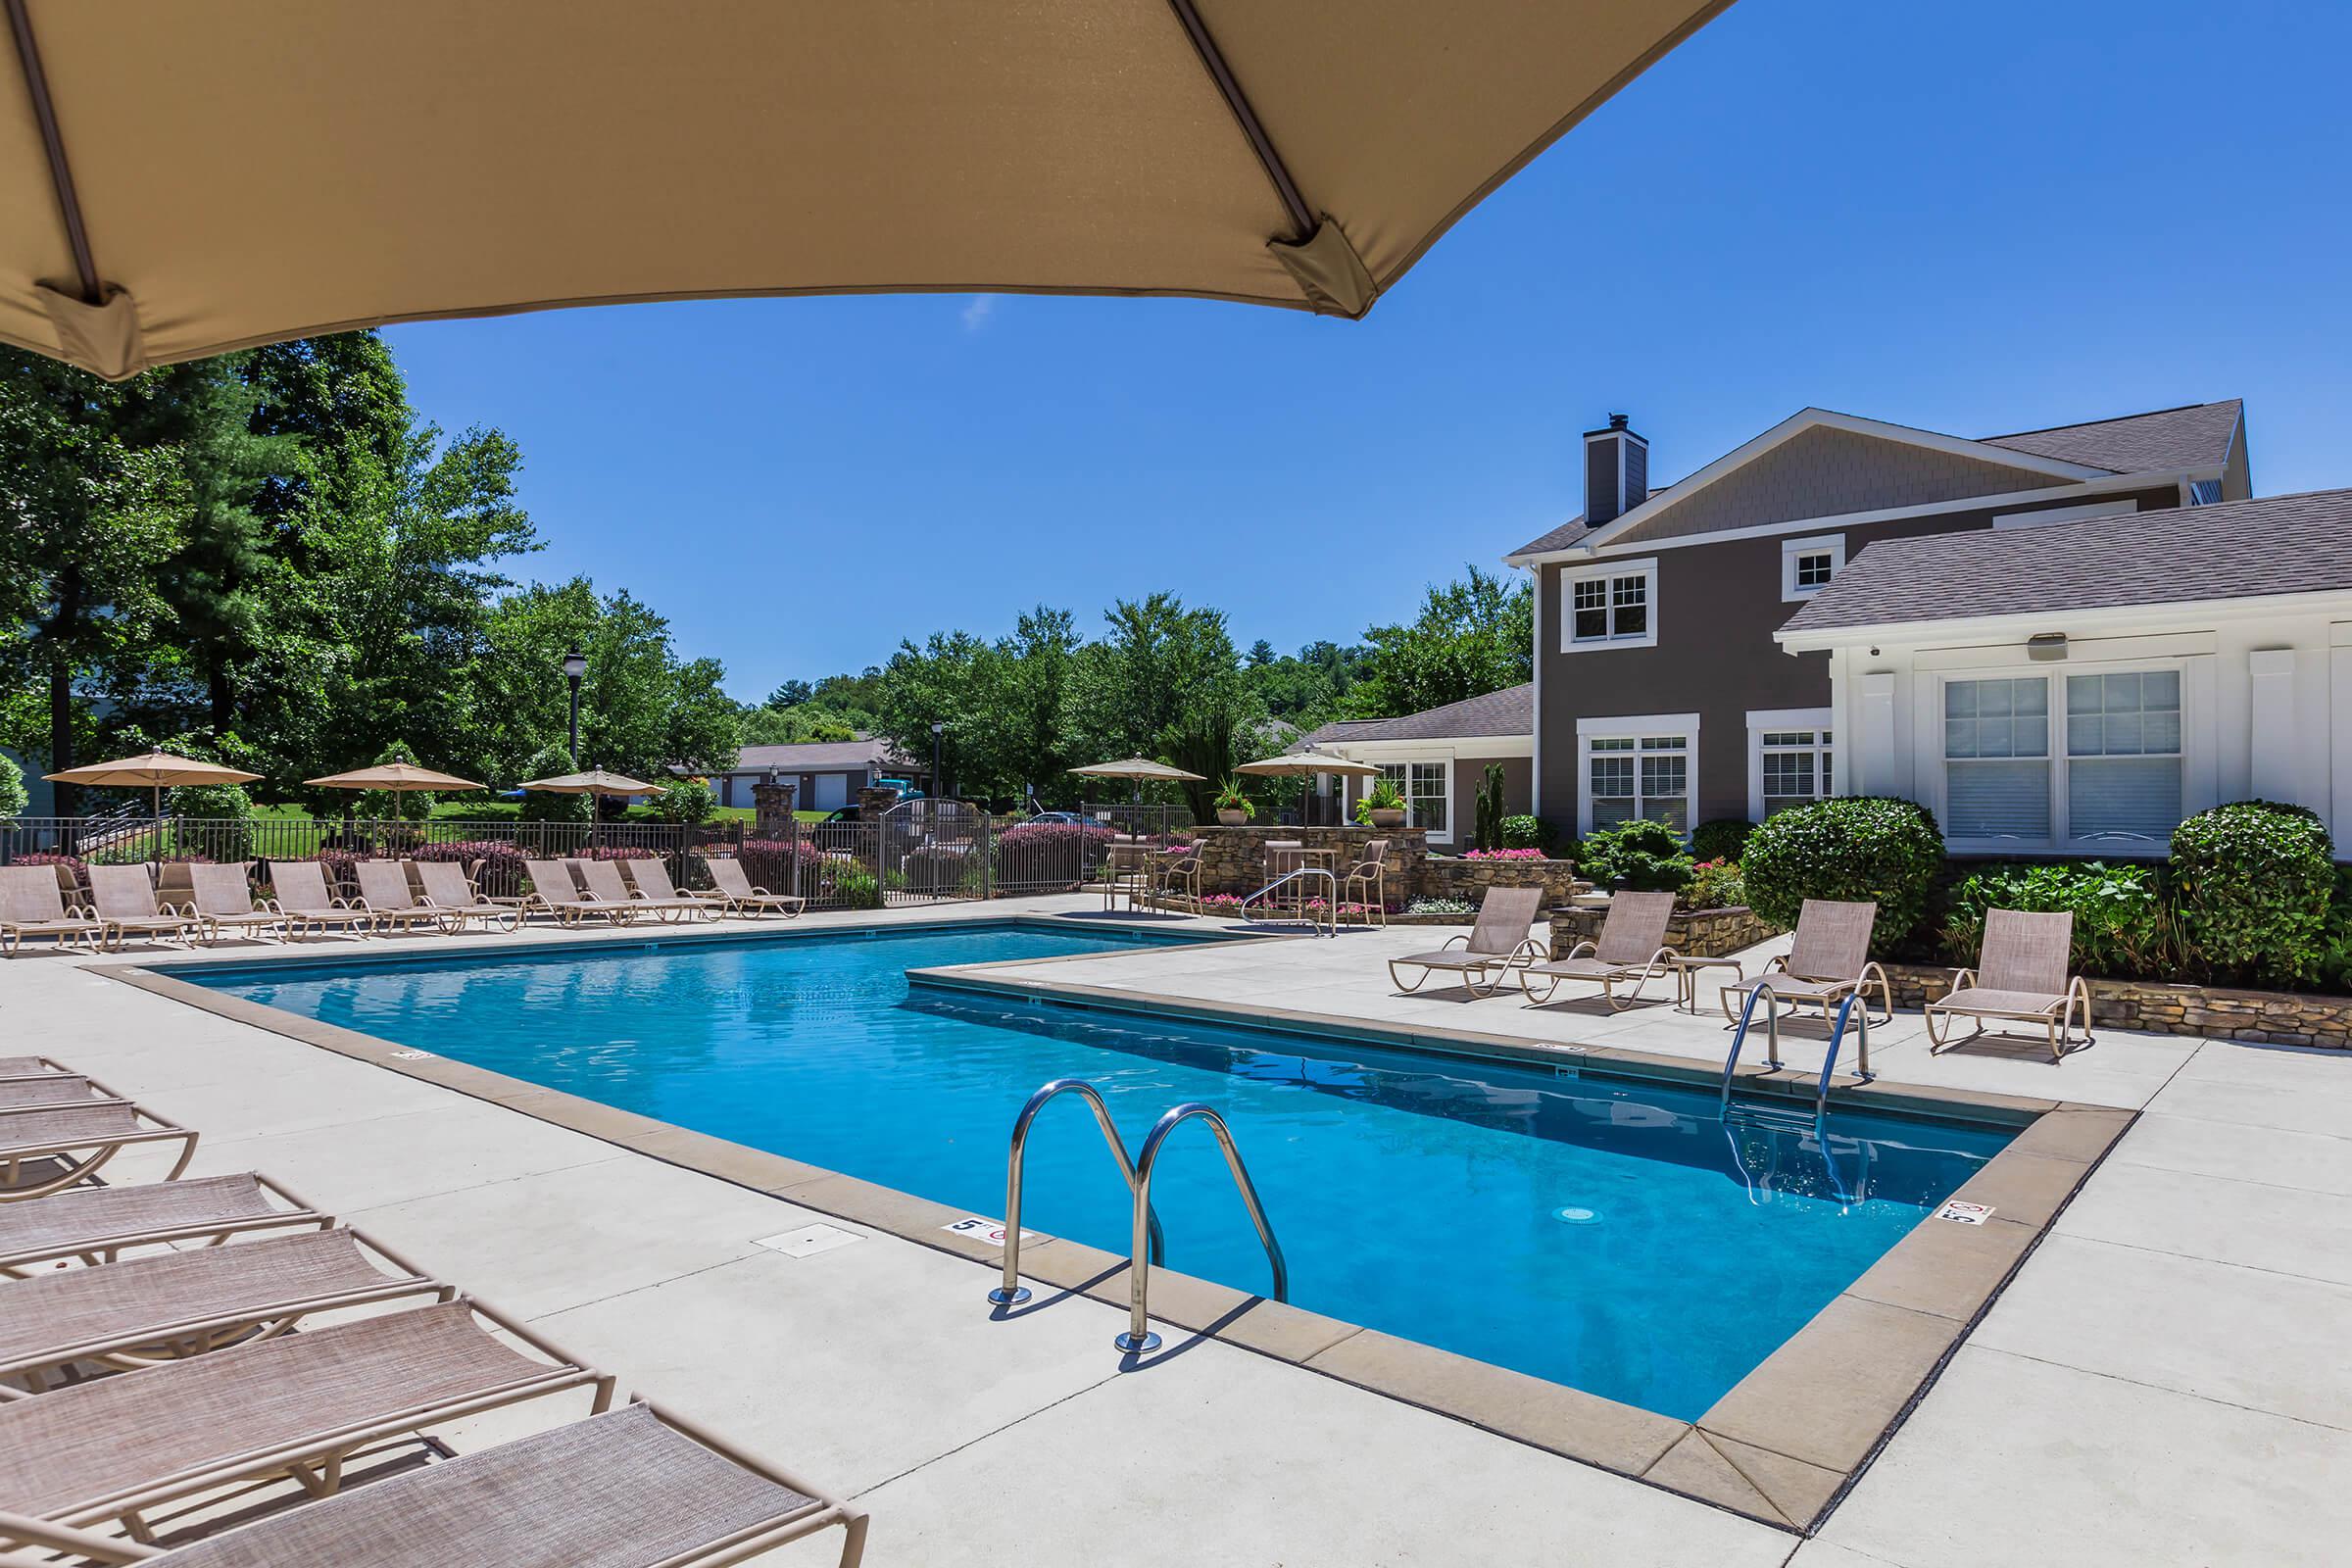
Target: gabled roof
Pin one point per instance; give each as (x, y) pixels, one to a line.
(817, 757)
(2164, 440)
(2237, 550)
(1509, 711)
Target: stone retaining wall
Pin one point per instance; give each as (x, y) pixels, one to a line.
(1693, 933)
(1469, 880)
(2216, 1012)
(1232, 859)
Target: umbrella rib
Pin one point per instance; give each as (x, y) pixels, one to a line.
(1301, 220)
(60, 173)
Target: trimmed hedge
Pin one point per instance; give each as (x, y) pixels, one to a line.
(2252, 882)
(1648, 856)
(1851, 846)
(1723, 839)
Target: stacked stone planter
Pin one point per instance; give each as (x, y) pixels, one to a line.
(1232, 859)
(1692, 933)
(1469, 880)
(2215, 1013)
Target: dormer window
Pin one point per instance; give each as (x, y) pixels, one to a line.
(1611, 605)
(1808, 564)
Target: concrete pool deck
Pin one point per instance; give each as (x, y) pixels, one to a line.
(2162, 1382)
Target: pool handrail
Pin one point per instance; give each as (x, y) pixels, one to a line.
(1313, 923)
(1012, 1292)
(1138, 1337)
(1772, 1042)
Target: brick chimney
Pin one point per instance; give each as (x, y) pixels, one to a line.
(1616, 471)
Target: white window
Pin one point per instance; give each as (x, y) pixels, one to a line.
(1610, 606)
(1808, 564)
(1424, 788)
(1638, 769)
(2114, 782)
(1795, 768)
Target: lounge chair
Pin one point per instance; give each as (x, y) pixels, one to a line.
(222, 900)
(732, 884)
(448, 888)
(29, 1066)
(31, 905)
(601, 881)
(1501, 941)
(653, 888)
(1366, 883)
(1828, 960)
(1632, 948)
(303, 1405)
(2021, 976)
(556, 891)
(46, 1148)
(123, 897)
(52, 1089)
(633, 1486)
(97, 1224)
(174, 1304)
(299, 892)
(385, 893)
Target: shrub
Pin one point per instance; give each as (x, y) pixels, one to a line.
(1714, 885)
(538, 805)
(397, 805)
(14, 797)
(2122, 927)
(2334, 955)
(224, 810)
(1648, 856)
(1489, 814)
(1723, 839)
(687, 799)
(1849, 847)
(2252, 882)
(1526, 833)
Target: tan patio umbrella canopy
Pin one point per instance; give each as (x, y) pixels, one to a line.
(180, 179)
(595, 781)
(1300, 764)
(398, 777)
(152, 771)
(1137, 768)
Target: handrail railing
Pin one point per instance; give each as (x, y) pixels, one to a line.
(1012, 1292)
(1138, 1337)
(1331, 909)
(1772, 1041)
(1772, 1035)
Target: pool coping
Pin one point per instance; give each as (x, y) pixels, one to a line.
(1782, 1448)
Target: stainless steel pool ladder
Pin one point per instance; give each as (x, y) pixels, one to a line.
(1138, 1337)
(1012, 1292)
(1852, 1007)
(1331, 908)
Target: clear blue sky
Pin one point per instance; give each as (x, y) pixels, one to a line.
(1975, 218)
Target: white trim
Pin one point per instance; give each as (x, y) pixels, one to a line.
(1616, 726)
(1763, 721)
(1609, 571)
(2153, 480)
(1534, 739)
(1471, 746)
(2331, 602)
(1831, 544)
(2120, 506)
(1635, 728)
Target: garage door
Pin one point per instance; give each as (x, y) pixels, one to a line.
(832, 790)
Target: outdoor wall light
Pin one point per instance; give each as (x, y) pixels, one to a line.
(2046, 647)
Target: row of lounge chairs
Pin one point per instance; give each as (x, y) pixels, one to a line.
(2021, 975)
(211, 903)
(191, 1370)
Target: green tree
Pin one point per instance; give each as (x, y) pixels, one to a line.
(1165, 682)
(791, 694)
(797, 725)
(13, 794)
(1472, 637)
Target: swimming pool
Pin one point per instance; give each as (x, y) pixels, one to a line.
(1607, 1233)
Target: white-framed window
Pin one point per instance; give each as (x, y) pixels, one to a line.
(2083, 759)
(1638, 768)
(1611, 605)
(1791, 759)
(1428, 794)
(1808, 564)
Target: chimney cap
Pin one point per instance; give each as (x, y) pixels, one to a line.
(1618, 421)
(1619, 424)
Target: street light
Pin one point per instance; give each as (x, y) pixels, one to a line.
(939, 730)
(575, 664)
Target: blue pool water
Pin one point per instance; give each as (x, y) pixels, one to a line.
(1610, 1234)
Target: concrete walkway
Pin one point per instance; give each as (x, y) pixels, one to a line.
(2163, 1383)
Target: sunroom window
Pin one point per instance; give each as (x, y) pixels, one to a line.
(2123, 756)
(1997, 748)
(2112, 779)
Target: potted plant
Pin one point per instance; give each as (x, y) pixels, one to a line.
(1384, 806)
(1234, 808)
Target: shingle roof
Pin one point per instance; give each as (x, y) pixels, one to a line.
(2237, 550)
(2194, 436)
(816, 757)
(1509, 711)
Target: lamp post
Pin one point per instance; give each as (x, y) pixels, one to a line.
(939, 730)
(575, 664)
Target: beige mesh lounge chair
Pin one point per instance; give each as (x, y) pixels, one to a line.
(650, 880)
(222, 900)
(46, 1148)
(633, 1488)
(1366, 883)
(1828, 960)
(385, 893)
(302, 1406)
(2021, 977)
(29, 1066)
(601, 881)
(1632, 948)
(123, 897)
(1501, 941)
(733, 885)
(299, 892)
(96, 1225)
(449, 890)
(176, 1304)
(52, 1089)
(555, 891)
(31, 905)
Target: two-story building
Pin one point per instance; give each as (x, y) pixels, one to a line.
(1664, 687)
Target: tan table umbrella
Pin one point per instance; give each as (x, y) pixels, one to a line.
(1304, 765)
(398, 777)
(180, 179)
(154, 770)
(595, 781)
(1139, 768)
